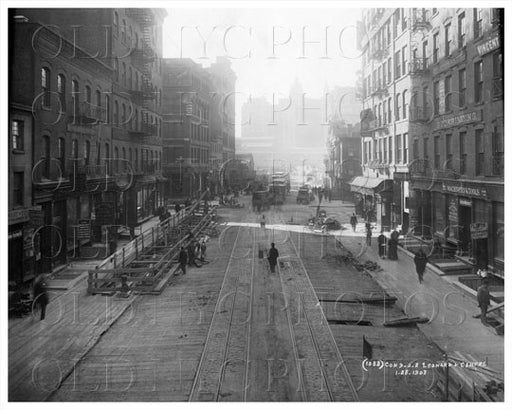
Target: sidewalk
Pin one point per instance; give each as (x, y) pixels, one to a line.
(450, 310)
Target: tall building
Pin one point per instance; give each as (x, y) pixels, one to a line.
(187, 101)
(433, 127)
(92, 79)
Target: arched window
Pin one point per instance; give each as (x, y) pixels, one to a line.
(74, 149)
(123, 117)
(75, 96)
(45, 86)
(98, 98)
(88, 94)
(61, 90)
(123, 165)
(116, 113)
(116, 23)
(123, 74)
(61, 149)
(98, 155)
(398, 103)
(116, 160)
(107, 158)
(107, 108)
(123, 31)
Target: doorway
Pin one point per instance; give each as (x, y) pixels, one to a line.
(464, 222)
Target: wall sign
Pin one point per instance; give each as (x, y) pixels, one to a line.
(478, 230)
(489, 45)
(448, 121)
(465, 190)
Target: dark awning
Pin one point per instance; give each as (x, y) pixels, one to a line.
(370, 185)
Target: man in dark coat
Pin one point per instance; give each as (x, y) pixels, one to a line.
(191, 252)
(182, 259)
(420, 260)
(484, 300)
(353, 221)
(368, 234)
(381, 240)
(177, 208)
(40, 295)
(273, 254)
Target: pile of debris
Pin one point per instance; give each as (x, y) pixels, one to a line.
(368, 265)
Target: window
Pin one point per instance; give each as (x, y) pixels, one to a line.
(130, 77)
(477, 22)
(379, 114)
(479, 152)
(17, 188)
(116, 23)
(498, 150)
(390, 149)
(385, 149)
(436, 98)
(449, 155)
(116, 69)
(116, 160)
(398, 149)
(498, 212)
(435, 54)
(404, 60)
(389, 110)
(397, 108)
(87, 152)
(406, 147)
(17, 137)
(425, 148)
(123, 115)
(479, 82)
(45, 86)
(425, 50)
(404, 103)
(397, 64)
(415, 149)
(384, 82)
(462, 30)
(123, 74)
(98, 155)
(98, 98)
(62, 154)
(61, 90)
(404, 19)
(463, 154)
(497, 69)
(123, 31)
(447, 39)
(130, 158)
(123, 165)
(45, 156)
(384, 113)
(107, 107)
(390, 77)
(448, 94)
(74, 149)
(116, 113)
(136, 161)
(462, 88)
(437, 153)
(75, 97)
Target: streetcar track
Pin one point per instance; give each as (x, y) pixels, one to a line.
(210, 330)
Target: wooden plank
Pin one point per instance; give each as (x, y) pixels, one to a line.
(499, 306)
(405, 321)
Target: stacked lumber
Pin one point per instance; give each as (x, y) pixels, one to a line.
(469, 379)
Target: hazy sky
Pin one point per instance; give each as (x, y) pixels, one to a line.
(237, 31)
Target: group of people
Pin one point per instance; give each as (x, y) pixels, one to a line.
(196, 249)
(322, 193)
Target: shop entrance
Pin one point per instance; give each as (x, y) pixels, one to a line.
(464, 222)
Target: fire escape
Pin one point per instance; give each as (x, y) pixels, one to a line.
(143, 57)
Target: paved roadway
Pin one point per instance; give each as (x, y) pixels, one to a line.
(231, 330)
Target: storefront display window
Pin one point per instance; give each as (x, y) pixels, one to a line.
(499, 231)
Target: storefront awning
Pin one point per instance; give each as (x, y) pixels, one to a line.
(370, 185)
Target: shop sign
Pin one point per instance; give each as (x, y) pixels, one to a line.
(489, 45)
(84, 229)
(465, 190)
(453, 211)
(455, 120)
(465, 202)
(18, 216)
(478, 230)
(15, 235)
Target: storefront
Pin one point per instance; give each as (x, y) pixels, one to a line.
(374, 197)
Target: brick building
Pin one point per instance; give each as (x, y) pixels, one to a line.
(92, 78)
(432, 126)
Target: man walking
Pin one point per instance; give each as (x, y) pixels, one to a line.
(420, 260)
(368, 234)
(484, 300)
(40, 295)
(273, 254)
(381, 240)
(353, 221)
(182, 259)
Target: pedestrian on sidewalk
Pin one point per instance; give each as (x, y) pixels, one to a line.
(484, 300)
(40, 295)
(368, 234)
(381, 240)
(182, 259)
(273, 254)
(191, 252)
(420, 260)
(353, 221)
(393, 246)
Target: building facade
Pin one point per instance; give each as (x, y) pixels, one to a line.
(91, 80)
(432, 125)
